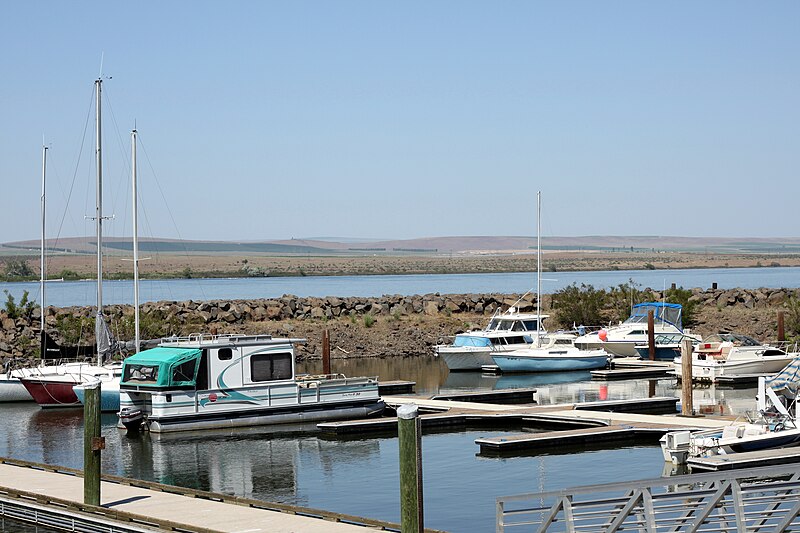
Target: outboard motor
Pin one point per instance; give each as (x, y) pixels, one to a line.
(131, 418)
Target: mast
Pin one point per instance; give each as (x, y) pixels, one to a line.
(42, 265)
(99, 198)
(135, 243)
(538, 267)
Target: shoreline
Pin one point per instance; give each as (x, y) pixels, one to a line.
(172, 267)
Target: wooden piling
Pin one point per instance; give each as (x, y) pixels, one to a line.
(781, 330)
(92, 444)
(686, 378)
(651, 334)
(714, 286)
(409, 434)
(326, 352)
(674, 286)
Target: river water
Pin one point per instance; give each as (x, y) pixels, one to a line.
(62, 294)
(299, 466)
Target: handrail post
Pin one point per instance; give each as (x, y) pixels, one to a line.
(409, 434)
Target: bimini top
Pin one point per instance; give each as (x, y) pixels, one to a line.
(670, 313)
(161, 367)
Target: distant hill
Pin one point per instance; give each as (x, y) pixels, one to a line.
(428, 245)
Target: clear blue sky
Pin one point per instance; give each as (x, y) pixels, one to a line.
(371, 119)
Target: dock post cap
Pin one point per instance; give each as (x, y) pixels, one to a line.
(408, 411)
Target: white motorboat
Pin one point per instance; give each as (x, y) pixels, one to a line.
(211, 382)
(505, 332)
(621, 340)
(773, 426)
(730, 354)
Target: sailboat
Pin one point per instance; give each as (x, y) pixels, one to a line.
(109, 385)
(545, 355)
(53, 388)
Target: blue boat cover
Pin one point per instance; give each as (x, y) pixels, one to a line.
(469, 340)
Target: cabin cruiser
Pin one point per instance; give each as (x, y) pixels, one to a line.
(224, 381)
(730, 354)
(505, 332)
(773, 426)
(621, 340)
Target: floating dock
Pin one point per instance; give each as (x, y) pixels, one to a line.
(516, 396)
(396, 387)
(129, 505)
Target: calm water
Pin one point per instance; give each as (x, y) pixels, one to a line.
(296, 465)
(62, 294)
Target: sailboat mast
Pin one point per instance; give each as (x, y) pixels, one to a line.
(99, 197)
(538, 267)
(135, 243)
(42, 264)
(99, 208)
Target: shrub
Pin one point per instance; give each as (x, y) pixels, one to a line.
(369, 321)
(582, 305)
(681, 296)
(23, 309)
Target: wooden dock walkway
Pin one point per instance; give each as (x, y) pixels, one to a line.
(153, 506)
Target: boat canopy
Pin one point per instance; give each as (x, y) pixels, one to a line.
(161, 368)
(787, 381)
(470, 340)
(670, 313)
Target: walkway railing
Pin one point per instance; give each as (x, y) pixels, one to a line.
(757, 500)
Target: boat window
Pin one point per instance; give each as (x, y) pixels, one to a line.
(506, 325)
(530, 325)
(518, 326)
(225, 354)
(637, 332)
(184, 371)
(141, 373)
(271, 367)
(492, 325)
(201, 383)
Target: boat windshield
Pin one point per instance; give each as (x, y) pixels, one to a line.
(499, 324)
(663, 312)
(161, 367)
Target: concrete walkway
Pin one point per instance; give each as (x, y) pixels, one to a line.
(176, 508)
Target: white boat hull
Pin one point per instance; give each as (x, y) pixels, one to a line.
(710, 370)
(471, 358)
(12, 390)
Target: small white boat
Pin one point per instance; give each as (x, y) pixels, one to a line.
(550, 358)
(774, 425)
(730, 354)
(621, 340)
(109, 388)
(505, 332)
(211, 382)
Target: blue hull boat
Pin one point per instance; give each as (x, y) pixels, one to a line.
(551, 360)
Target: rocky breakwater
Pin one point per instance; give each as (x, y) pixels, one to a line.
(361, 327)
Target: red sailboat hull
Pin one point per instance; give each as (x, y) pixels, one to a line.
(52, 393)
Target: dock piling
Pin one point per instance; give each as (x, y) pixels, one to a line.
(326, 352)
(781, 330)
(651, 334)
(409, 434)
(93, 443)
(686, 378)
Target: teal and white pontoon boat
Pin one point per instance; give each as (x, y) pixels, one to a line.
(205, 382)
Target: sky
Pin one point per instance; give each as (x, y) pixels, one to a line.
(391, 120)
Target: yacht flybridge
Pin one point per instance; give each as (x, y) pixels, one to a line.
(206, 382)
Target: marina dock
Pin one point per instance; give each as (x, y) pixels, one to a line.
(55, 495)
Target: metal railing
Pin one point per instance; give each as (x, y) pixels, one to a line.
(757, 500)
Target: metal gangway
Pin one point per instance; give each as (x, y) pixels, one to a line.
(757, 499)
